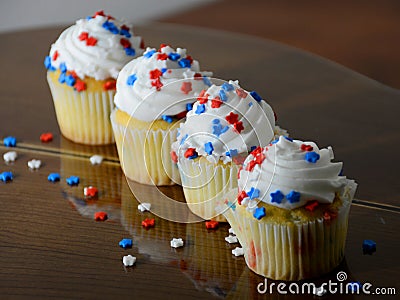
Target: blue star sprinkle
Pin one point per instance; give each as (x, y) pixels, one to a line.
(184, 63)
(216, 121)
(189, 106)
(125, 33)
(131, 79)
(149, 54)
(277, 197)
(125, 243)
(222, 95)
(70, 80)
(167, 119)
(174, 56)
(253, 193)
(10, 141)
(184, 138)
(369, 246)
(61, 78)
(200, 109)
(72, 180)
(6, 176)
(208, 147)
(312, 157)
(218, 129)
(231, 152)
(256, 96)
(207, 81)
(110, 26)
(130, 51)
(53, 177)
(227, 86)
(293, 197)
(250, 104)
(63, 67)
(259, 213)
(47, 64)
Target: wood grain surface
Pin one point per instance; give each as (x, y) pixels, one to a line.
(50, 245)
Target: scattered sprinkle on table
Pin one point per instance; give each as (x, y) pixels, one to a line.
(10, 156)
(6, 176)
(148, 223)
(128, 260)
(34, 164)
(90, 191)
(238, 251)
(231, 239)
(10, 141)
(100, 216)
(144, 207)
(53, 177)
(72, 180)
(212, 224)
(125, 243)
(96, 159)
(369, 247)
(176, 243)
(46, 137)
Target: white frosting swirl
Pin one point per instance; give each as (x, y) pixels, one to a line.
(299, 173)
(165, 68)
(218, 125)
(100, 61)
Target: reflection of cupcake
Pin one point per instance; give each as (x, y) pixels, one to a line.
(82, 68)
(225, 123)
(153, 92)
(292, 211)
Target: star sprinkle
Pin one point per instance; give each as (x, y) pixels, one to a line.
(184, 63)
(212, 224)
(10, 141)
(369, 247)
(227, 87)
(157, 84)
(70, 80)
(305, 147)
(162, 56)
(218, 129)
(186, 87)
(6, 176)
(81, 85)
(174, 157)
(96, 159)
(277, 197)
(72, 180)
(208, 147)
(34, 164)
(10, 156)
(238, 126)
(232, 118)
(189, 106)
(167, 119)
(144, 206)
(131, 79)
(293, 197)
(216, 102)
(174, 56)
(231, 231)
(253, 193)
(55, 55)
(176, 243)
(48, 65)
(256, 96)
(148, 223)
(242, 195)
(110, 85)
(149, 53)
(125, 43)
(191, 153)
(238, 251)
(46, 137)
(259, 213)
(100, 216)
(156, 73)
(110, 26)
(90, 191)
(53, 177)
(241, 93)
(312, 157)
(311, 205)
(232, 152)
(231, 239)
(207, 81)
(125, 243)
(222, 95)
(128, 260)
(200, 109)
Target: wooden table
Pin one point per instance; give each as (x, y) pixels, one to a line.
(50, 245)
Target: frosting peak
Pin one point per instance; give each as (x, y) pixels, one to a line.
(289, 173)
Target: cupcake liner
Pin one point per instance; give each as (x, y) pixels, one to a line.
(293, 251)
(83, 116)
(203, 189)
(145, 154)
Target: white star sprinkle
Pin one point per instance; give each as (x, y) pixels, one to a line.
(10, 156)
(176, 243)
(96, 159)
(34, 164)
(238, 251)
(128, 260)
(231, 231)
(144, 207)
(231, 239)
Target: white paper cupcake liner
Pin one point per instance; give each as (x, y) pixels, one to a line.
(83, 116)
(145, 154)
(292, 251)
(203, 189)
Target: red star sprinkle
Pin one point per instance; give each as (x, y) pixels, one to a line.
(90, 191)
(99, 13)
(162, 46)
(251, 165)
(232, 118)
(80, 85)
(198, 76)
(157, 84)
(83, 36)
(142, 44)
(203, 97)
(46, 137)
(311, 205)
(181, 115)
(189, 58)
(190, 152)
(174, 157)
(305, 147)
(216, 102)
(186, 87)
(259, 158)
(148, 223)
(156, 73)
(55, 55)
(110, 85)
(100, 216)
(241, 196)
(238, 126)
(124, 27)
(212, 224)
(256, 151)
(91, 41)
(162, 56)
(73, 74)
(125, 43)
(241, 93)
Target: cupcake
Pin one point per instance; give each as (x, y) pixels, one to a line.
(154, 92)
(225, 124)
(82, 68)
(292, 210)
